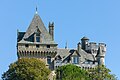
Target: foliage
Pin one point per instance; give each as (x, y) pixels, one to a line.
(26, 69)
(101, 73)
(71, 72)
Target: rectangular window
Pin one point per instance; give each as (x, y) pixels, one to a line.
(49, 59)
(37, 46)
(75, 60)
(26, 45)
(48, 46)
(37, 39)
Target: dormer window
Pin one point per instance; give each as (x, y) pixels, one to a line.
(75, 60)
(37, 37)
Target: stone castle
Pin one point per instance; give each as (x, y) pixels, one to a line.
(39, 43)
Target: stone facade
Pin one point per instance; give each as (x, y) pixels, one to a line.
(39, 43)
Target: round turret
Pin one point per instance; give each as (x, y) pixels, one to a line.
(101, 54)
(84, 38)
(84, 41)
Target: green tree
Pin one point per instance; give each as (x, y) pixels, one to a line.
(27, 69)
(71, 72)
(101, 73)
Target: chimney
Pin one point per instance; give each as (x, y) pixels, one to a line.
(78, 47)
(51, 29)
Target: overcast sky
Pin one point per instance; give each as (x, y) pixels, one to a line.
(99, 20)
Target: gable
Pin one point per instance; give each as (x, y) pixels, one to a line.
(75, 53)
(71, 53)
(58, 57)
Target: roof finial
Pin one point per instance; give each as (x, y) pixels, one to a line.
(36, 10)
(66, 45)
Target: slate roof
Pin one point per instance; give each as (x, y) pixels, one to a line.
(85, 38)
(38, 24)
(20, 36)
(28, 42)
(86, 56)
(64, 53)
(100, 51)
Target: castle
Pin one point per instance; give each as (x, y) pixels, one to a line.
(39, 43)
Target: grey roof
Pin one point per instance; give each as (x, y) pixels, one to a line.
(70, 53)
(62, 52)
(28, 42)
(38, 24)
(20, 36)
(86, 56)
(85, 38)
(100, 51)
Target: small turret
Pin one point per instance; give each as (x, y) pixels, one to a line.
(84, 41)
(101, 53)
(51, 29)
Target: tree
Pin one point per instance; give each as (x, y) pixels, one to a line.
(71, 72)
(101, 73)
(27, 69)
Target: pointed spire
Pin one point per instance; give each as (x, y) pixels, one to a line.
(36, 10)
(66, 45)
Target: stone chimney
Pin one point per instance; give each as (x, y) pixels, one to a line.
(78, 47)
(51, 29)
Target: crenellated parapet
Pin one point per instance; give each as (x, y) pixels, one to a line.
(36, 54)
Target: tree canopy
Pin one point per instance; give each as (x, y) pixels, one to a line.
(101, 73)
(71, 72)
(27, 69)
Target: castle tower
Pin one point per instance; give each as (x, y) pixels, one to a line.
(84, 41)
(101, 53)
(51, 30)
(37, 42)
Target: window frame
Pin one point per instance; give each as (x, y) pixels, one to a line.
(49, 59)
(48, 46)
(27, 45)
(75, 60)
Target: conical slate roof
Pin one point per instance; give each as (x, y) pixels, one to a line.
(100, 51)
(38, 24)
(84, 38)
